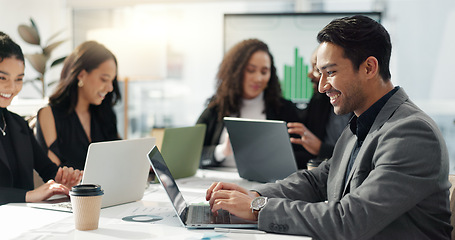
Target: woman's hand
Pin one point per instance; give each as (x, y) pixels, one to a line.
(307, 139)
(46, 191)
(68, 176)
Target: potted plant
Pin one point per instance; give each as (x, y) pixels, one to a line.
(39, 61)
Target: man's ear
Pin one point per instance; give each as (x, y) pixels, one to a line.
(371, 66)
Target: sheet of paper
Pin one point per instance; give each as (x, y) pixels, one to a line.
(167, 214)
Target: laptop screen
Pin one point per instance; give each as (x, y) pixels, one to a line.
(167, 181)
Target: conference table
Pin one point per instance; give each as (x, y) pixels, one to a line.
(19, 221)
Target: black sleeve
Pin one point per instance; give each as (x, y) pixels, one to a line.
(41, 163)
(212, 135)
(10, 195)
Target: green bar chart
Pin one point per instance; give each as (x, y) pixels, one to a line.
(295, 84)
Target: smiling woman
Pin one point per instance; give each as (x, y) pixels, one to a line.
(256, 75)
(19, 150)
(248, 87)
(80, 110)
(11, 76)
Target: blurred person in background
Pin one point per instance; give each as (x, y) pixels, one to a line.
(80, 110)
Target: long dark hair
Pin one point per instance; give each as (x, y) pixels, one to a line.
(87, 56)
(9, 49)
(360, 37)
(228, 97)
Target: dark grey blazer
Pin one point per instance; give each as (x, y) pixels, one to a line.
(398, 186)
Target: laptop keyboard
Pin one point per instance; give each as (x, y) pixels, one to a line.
(64, 206)
(203, 214)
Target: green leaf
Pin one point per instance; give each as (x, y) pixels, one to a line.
(29, 34)
(52, 83)
(54, 36)
(48, 50)
(34, 26)
(58, 61)
(38, 62)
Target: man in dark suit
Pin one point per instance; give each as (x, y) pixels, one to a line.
(388, 176)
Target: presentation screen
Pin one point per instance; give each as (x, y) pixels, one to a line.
(291, 38)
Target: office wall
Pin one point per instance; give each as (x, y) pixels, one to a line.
(191, 35)
(51, 16)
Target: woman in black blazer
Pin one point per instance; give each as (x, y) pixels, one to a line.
(19, 151)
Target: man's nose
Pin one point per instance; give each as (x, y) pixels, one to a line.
(323, 84)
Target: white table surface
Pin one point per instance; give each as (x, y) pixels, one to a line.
(18, 221)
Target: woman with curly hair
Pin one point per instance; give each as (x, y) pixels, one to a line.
(248, 87)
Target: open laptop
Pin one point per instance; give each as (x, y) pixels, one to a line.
(192, 216)
(182, 148)
(121, 168)
(262, 148)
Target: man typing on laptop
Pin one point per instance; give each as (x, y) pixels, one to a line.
(388, 176)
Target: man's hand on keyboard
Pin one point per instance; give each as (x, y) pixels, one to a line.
(233, 198)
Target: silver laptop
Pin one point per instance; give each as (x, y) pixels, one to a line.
(192, 216)
(262, 148)
(120, 167)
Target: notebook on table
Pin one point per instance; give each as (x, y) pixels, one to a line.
(182, 148)
(120, 167)
(192, 216)
(262, 148)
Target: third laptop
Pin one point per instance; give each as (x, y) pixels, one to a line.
(262, 148)
(182, 147)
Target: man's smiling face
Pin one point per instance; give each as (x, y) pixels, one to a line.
(339, 81)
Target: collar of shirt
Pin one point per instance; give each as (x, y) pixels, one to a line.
(360, 126)
(253, 108)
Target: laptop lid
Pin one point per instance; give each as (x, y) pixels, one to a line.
(176, 197)
(262, 148)
(121, 168)
(181, 148)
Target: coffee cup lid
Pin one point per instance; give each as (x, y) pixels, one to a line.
(86, 190)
